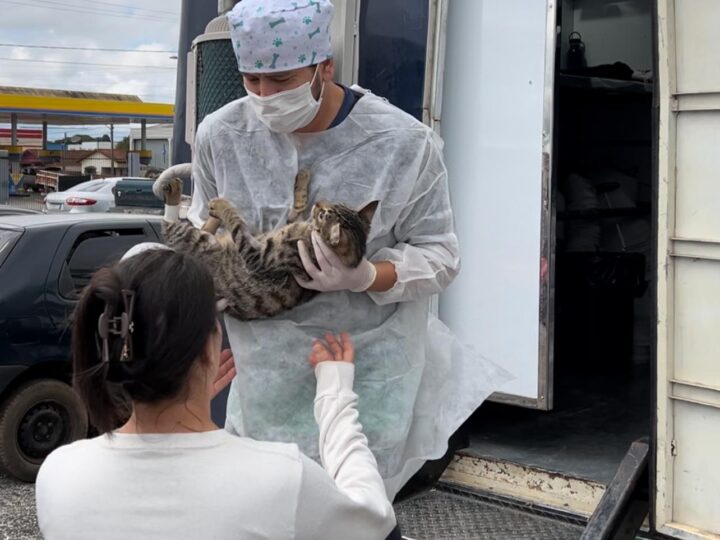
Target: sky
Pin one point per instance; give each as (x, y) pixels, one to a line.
(135, 25)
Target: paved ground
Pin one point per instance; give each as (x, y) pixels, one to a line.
(17, 510)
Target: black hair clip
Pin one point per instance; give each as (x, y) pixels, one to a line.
(121, 325)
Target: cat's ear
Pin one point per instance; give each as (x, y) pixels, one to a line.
(335, 234)
(368, 211)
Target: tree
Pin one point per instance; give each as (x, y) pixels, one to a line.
(105, 138)
(78, 138)
(124, 144)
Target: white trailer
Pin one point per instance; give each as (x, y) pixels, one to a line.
(588, 210)
(500, 111)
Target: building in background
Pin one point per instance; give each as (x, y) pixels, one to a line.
(90, 145)
(159, 140)
(95, 163)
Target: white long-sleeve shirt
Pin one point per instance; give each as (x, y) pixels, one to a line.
(216, 485)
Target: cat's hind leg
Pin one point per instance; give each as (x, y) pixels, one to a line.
(182, 236)
(211, 225)
(252, 250)
(226, 214)
(222, 210)
(300, 196)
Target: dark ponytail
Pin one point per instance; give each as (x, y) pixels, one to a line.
(172, 316)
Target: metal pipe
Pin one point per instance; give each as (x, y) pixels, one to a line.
(112, 149)
(13, 129)
(226, 5)
(143, 133)
(64, 154)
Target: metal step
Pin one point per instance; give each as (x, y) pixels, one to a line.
(527, 484)
(450, 513)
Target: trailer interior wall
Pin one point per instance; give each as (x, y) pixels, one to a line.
(623, 28)
(688, 340)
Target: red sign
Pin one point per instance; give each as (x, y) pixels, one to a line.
(22, 133)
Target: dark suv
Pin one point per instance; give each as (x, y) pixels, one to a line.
(45, 261)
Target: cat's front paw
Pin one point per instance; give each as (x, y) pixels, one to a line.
(168, 190)
(219, 207)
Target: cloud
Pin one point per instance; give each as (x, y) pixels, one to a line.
(78, 23)
(43, 24)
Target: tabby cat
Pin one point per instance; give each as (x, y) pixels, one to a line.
(254, 274)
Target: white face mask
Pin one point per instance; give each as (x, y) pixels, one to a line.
(290, 110)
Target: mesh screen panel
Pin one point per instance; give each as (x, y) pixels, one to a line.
(218, 79)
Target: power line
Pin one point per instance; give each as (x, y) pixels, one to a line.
(102, 11)
(147, 89)
(79, 48)
(117, 10)
(79, 9)
(84, 63)
(41, 72)
(99, 90)
(129, 7)
(40, 79)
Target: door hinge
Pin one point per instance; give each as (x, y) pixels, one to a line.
(673, 448)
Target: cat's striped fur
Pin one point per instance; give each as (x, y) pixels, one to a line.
(254, 274)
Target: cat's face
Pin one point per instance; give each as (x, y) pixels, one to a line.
(326, 220)
(340, 225)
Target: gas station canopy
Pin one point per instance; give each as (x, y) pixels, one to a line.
(63, 107)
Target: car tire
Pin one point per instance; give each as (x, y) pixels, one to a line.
(38, 417)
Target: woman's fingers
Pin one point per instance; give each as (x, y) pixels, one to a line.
(338, 348)
(227, 362)
(334, 346)
(319, 353)
(225, 374)
(347, 347)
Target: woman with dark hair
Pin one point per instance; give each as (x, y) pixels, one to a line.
(146, 357)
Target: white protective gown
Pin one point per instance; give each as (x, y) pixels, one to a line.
(416, 383)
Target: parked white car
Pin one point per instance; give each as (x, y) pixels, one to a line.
(91, 196)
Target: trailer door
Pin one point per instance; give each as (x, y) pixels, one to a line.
(688, 337)
(496, 119)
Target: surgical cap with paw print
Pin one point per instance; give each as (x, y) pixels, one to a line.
(280, 35)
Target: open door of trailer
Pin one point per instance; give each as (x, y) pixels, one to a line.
(481, 73)
(688, 295)
(497, 122)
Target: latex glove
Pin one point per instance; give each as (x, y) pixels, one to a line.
(333, 274)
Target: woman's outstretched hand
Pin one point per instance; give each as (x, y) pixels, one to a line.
(333, 349)
(225, 374)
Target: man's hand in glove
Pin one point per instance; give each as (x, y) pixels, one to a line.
(333, 274)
